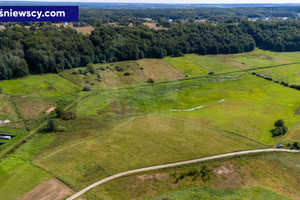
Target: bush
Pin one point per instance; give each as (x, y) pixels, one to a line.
(75, 72)
(59, 111)
(0, 90)
(141, 68)
(211, 73)
(296, 145)
(91, 68)
(86, 88)
(68, 116)
(253, 73)
(126, 73)
(119, 69)
(205, 173)
(52, 125)
(150, 80)
(280, 128)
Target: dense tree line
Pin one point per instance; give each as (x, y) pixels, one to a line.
(48, 48)
(96, 17)
(276, 36)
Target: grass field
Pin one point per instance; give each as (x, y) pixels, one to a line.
(264, 176)
(288, 73)
(33, 108)
(250, 108)
(139, 142)
(252, 193)
(45, 86)
(17, 174)
(124, 123)
(197, 65)
(139, 71)
(148, 128)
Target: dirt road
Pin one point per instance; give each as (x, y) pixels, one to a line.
(173, 165)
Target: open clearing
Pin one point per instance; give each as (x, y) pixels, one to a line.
(198, 65)
(248, 177)
(139, 71)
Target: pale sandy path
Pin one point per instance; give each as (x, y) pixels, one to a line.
(173, 165)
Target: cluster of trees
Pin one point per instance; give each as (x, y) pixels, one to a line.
(275, 36)
(96, 17)
(280, 128)
(49, 48)
(131, 43)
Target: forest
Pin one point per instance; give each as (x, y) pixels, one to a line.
(49, 48)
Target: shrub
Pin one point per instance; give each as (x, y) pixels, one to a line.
(211, 73)
(52, 125)
(150, 80)
(296, 145)
(280, 128)
(205, 173)
(126, 73)
(91, 68)
(102, 68)
(75, 72)
(253, 73)
(68, 116)
(141, 68)
(59, 111)
(0, 90)
(181, 176)
(92, 83)
(86, 88)
(119, 69)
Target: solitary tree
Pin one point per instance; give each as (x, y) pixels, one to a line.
(91, 68)
(280, 128)
(52, 125)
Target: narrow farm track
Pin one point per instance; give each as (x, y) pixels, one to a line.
(175, 164)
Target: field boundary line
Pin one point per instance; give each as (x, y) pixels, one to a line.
(174, 165)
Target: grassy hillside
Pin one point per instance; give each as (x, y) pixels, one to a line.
(265, 176)
(112, 75)
(133, 128)
(197, 65)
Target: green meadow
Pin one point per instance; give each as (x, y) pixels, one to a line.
(198, 65)
(43, 86)
(125, 123)
(251, 177)
(288, 73)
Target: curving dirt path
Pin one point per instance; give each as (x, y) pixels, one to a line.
(175, 164)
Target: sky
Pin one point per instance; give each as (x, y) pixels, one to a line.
(179, 1)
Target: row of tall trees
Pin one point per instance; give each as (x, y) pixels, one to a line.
(51, 49)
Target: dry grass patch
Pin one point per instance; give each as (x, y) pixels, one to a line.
(52, 189)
